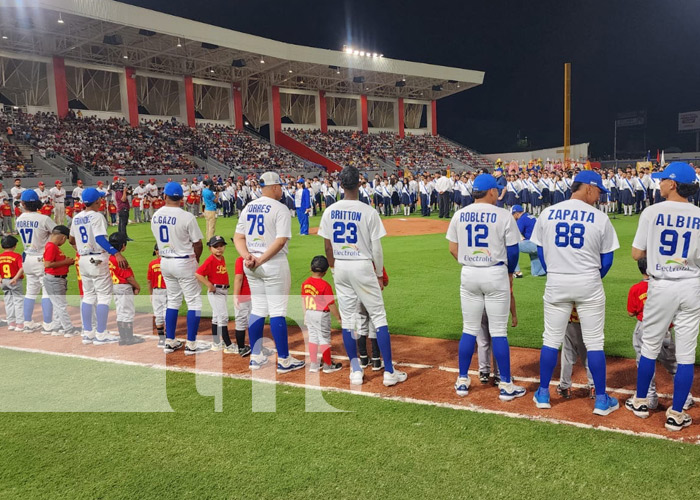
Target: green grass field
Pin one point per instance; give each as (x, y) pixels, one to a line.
(375, 449)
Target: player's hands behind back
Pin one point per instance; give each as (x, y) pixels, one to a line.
(121, 260)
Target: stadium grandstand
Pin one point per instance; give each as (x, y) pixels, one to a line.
(100, 88)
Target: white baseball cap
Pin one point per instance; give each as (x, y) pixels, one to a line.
(270, 179)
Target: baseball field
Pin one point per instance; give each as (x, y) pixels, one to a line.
(110, 428)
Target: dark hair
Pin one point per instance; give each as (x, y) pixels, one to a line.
(174, 198)
(477, 195)
(350, 178)
(33, 206)
(61, 230)
(8, 241)
(642, 265)
(319, 264)
(687, 190)
(117, 240)
(575, 186)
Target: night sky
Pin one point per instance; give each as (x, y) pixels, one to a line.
(627, 55)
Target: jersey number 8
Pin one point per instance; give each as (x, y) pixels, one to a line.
(569, 235)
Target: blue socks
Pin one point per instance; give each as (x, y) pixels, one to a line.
(278, 326)
(351, 349)
(28, 309)
(681, 386)
(596, 364)
(548, 360)
(170, 323)
(192, 325)
(255, 332)
(102, 312)
(86, 310)
(384, 341)
(645, 372)
(501, 351)
(47, 310)
(466, 351)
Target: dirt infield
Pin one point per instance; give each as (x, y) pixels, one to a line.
(431, 365)
(409, 227)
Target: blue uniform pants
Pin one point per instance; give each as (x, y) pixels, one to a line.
(303, 221)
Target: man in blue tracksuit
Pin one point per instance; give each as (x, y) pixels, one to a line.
(302, 202)
(526, 224)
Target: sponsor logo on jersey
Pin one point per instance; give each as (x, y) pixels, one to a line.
(483, 252)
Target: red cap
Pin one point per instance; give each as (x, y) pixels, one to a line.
(80, 181)
(151, 179)
(184, 180)
(41, 183)
(116, 178)
(141, 182)
(58, 182)
(206, 176)
(194, 179)
(100, 183)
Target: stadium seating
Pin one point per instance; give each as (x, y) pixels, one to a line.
(12, 162)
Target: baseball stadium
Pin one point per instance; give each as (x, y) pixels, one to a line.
(235, 267)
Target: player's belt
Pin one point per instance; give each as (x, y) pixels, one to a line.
(175, 257)
(64, 276)
(222, 287)
(159, 288)
(84, 254)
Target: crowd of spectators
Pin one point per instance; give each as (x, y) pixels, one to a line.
(12, 162)
(364, 150)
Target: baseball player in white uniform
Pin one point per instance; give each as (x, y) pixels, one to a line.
(667, 236)
(179, 246)
(353, 231)
(139, 192)
(262, 233)
(196, 190)
(88, 235)
(17, 190)
(58, 198)
(34, 229)
(576, 242)
(484, 240)
(77, 193)
(150, 194)
(43, 193)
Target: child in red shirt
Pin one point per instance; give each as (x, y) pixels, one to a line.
(242, 307)
(11, 269)
(125, 287)
(18, 210)
(113, 212)
(318, 303)
(56, 266)
(157, 203)
(46, 209)
(214, 275)
(636, 298)
(6, 209)
(159, 296)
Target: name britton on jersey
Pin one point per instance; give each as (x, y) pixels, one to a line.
(346, 215)
(572, 215)
(678, 221)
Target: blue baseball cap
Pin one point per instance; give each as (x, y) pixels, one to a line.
(592, 178)
(678, 171)
(484, 182)
(91, 195)
(300, 180)
(517, 209)
(29, 195)
(173, 189)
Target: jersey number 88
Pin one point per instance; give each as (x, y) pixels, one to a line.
(569, 235)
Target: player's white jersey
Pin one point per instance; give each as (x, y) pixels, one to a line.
(262, 222)
(43, 194)
(151, 190)
(573, 235)
(57, 195)
(34, 229)
(16, 192)
(175, 231)
(86, 227)
(351, 226)
(669, 233)
(195, 188)
(78, 194)
(138, 192)
(185, 190)
(3, 196)
(483, 232)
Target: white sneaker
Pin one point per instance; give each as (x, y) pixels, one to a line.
(58, 332)
(217, 347)
(195, 347)
(462, 386)
(46, 329)
(171, 345)
(356, 377)
(12, 328)
(394, 378)
(289, 364)
(314, 367)
(88, 337)
(30, 327)
(105, 338)
(689, 402)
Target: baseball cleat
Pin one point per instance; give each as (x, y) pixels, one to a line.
(58, 332)
(11, 327)
(314, 367)
(105, 338)
(394, 378)
(231, 349)
(244, 351)
(605, 405)
(541, 398)
(508, 391)
(496, 380)
(30, 327)
(689, 402)
(638, 406)
(257, 361)
(194, 347)
(357, 377)
(217, 347)
(88, 337)
(462, 386)
(676, 420)
(564, 392)
(377, 364)
(171, 345)
(333, 367)
(289, 364)
(484, 377)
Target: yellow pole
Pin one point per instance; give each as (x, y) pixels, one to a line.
(567, 113)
